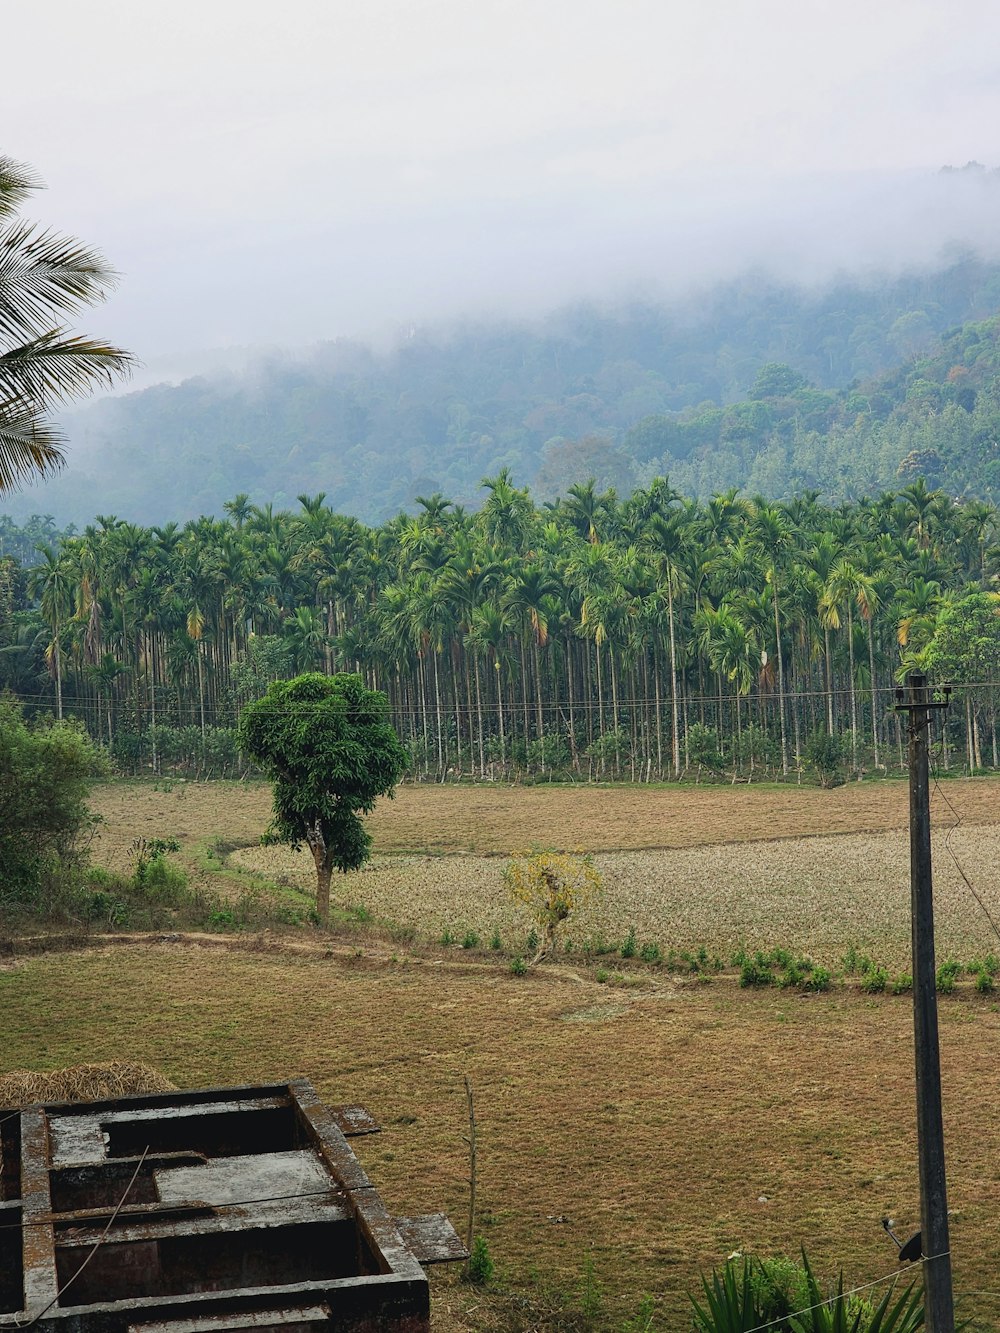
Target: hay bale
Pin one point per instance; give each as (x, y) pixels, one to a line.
(82, 1083)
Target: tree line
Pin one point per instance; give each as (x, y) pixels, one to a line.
(640, 638)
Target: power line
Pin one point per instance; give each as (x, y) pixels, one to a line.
(96, 1246)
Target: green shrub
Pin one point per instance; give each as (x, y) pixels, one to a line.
(790, 977)
(164, 882)
(447, 937)
(779, 1287)
(650, 952)
(825, 755)
(518, 966)
(470, 940)
(985, 984)
(496, 943)
(45, 774)
(851, 961)
(753, 973)
(629, 946)
(947, 974)
(479, 1266)
(903, 984)
(817, 980)
(874, 981)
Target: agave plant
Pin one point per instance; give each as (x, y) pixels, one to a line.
(735, 1302)
(731, 1305)
(839, 1314)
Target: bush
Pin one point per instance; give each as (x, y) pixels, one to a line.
(629, 946)
(45, 775)
(552, 753)
(552, 885)
(518, 966)
(817, 980)
(703, 748)
(945, 982)
(470, 940)
(479, 1266)
(947, 974)
(875, 981)
(825, 754)
(903, 984)
(985, 984)
(755, 973)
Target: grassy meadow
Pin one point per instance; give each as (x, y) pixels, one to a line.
(643, 1122)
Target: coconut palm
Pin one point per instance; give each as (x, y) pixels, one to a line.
(43, 277)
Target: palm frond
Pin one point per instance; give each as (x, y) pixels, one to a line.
(55, 367)
(29, 445)
(16, 183)
(42, 274)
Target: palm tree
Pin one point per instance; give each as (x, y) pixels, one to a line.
(773, 535)
(52, 583)
(43, 276)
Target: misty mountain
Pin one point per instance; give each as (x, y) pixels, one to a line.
(619, 394)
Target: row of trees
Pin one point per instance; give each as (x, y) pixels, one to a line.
(640, 638)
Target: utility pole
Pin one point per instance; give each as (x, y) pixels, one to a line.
(939, 1309)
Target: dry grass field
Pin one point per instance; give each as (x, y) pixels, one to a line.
(652, 1128)
(653, 1132)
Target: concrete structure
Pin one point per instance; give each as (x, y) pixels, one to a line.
(196, 1212)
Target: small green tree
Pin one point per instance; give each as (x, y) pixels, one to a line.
(331, 752)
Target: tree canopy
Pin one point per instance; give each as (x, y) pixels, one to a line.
(331, 752)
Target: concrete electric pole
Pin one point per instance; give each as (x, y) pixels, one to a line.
(939, 1309)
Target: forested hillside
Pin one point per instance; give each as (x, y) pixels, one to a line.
(694, 389)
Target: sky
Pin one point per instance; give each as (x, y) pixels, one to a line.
(266, 174)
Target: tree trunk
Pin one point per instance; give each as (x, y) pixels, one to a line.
(871, 672)
(324, 869)
(781, 678)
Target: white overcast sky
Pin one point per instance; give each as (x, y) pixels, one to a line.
(267, 173)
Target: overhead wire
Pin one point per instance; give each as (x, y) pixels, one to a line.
(843, 1295)
(952, 830)
(96, 1246)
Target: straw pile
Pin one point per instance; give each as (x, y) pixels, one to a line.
(81, 1083)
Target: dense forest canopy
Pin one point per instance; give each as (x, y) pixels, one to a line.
(849, 389)
(643, 636)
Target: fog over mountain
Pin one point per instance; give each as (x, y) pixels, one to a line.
(273, 182)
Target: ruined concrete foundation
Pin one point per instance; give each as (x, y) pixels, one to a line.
(196, 1212)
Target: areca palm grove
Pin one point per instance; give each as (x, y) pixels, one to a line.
(642, 639)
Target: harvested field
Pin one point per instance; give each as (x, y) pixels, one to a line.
(793, 866)
(492, 820)
(814, 895)
(655, 1132)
